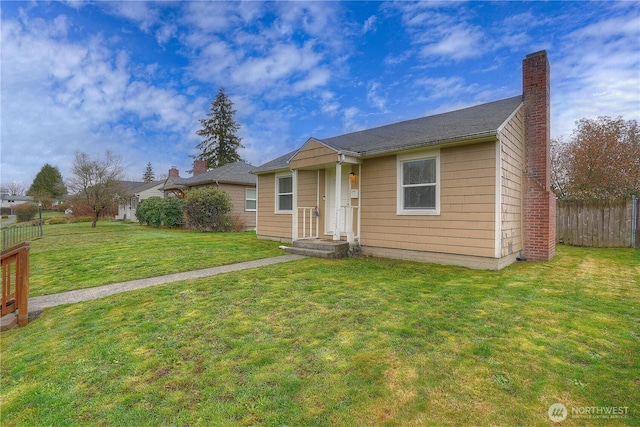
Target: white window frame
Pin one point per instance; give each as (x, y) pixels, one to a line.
(401, 160)
(278, 194)
(247, 198)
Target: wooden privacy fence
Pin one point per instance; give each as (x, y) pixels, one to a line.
(15, 282)
(602, 223)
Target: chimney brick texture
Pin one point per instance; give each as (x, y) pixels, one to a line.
(199, 166)
(539, 201)
(174, 172)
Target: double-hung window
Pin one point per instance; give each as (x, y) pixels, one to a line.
(284, 193)
(250, 199)
(418, 184)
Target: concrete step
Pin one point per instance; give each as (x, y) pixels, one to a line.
(317, 253)
(8, 321)
(322, 245)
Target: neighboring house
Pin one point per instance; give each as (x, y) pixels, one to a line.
(9, 201)
(233, 178)
(470, 187)
(137, 192)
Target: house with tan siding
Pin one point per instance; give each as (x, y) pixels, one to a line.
(233, 178)
(469, 187)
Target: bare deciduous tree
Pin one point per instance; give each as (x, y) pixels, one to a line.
(559, 171)
(16, 188)
(97, 181)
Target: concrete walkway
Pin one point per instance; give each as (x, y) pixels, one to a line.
(37, 304)
(8, 221)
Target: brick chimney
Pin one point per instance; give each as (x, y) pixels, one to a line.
(199, 166)
(174, 172)
(539, 201)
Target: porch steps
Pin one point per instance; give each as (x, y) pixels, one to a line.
(318, 248)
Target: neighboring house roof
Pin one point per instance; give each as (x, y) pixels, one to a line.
(466, 124)
(231, 173)
(133, 187)
(281, 162)
(16, 198)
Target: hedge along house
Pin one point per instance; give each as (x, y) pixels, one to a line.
(233, 178)
(470, 187)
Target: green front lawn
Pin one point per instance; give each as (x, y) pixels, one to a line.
(76, 256)
(355, 342)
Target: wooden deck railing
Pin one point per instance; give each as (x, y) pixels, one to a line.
(15, 282)
(308, 222)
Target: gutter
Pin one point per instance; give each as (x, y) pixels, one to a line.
(472, 138)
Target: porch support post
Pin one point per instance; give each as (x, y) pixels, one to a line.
(294, 207)
(338, 201)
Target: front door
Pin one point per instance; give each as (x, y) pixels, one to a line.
(330, 200)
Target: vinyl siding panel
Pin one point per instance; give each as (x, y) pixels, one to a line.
(512, 169)
(238, 198)
(312, 154)
(271, 225)
(466, 224)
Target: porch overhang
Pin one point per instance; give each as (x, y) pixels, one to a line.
(315, 154)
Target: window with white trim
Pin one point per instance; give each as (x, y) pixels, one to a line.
(250, 199)
(419, 184)
(284, 193)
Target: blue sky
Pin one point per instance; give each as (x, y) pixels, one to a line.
(136, 77)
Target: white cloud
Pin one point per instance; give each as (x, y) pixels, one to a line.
(373, 96)
(328, 103)
(441, 32)
(447, 87)
(350, 124)
(60, 96)
(281, 62)
(370, 24)
(315, 78)
(597, 73)
(457, 43)
(137, 11)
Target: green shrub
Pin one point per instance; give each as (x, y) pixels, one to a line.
(207, 209)
(26, 211)
(172, 211)
(156, 211)
(149, 211)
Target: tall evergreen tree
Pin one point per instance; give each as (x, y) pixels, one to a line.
(148, 175)
(48, 184)
(220, 144)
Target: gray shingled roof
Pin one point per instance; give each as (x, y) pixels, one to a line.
(16, 198)
(133, 187)
(281, 162)
(465, 124)
(231, 173)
